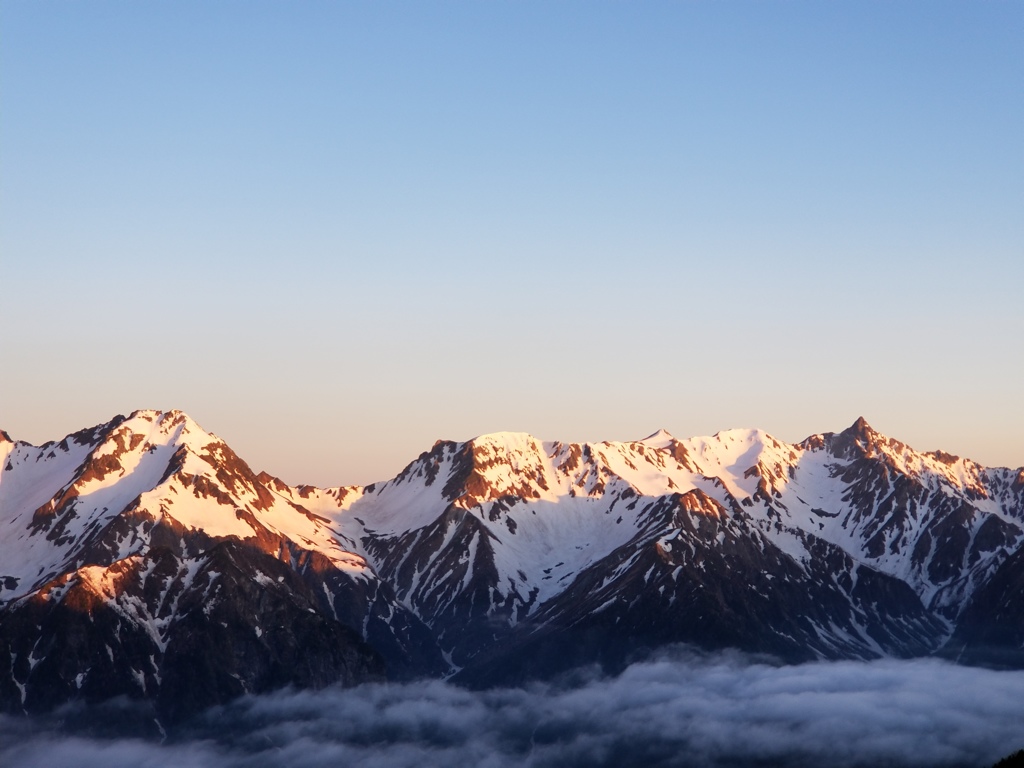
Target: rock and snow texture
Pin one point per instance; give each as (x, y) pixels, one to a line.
(126, 548)
(144, 558)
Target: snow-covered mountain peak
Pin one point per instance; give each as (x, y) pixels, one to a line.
(861, 439)
(505, 441)
(176, 422)
(738, 450)
(498, 464)
(104, 494)
(861, 443)
(661, 439)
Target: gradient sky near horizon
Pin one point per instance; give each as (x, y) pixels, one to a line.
(335, 232)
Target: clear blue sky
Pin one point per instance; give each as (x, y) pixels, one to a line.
(335, 232)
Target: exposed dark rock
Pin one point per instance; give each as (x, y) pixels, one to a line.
(990, 631)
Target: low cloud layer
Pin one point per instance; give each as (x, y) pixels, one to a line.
(704, 712)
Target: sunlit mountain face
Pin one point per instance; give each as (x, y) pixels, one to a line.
(142, 560)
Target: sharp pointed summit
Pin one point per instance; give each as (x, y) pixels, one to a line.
(856, 439)
(860, 428)
(861, 431)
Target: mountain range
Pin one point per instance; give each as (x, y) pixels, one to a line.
(142, 558)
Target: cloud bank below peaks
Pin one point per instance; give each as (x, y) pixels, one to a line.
(676, 710)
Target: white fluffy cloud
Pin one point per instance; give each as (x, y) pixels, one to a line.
(686, 710)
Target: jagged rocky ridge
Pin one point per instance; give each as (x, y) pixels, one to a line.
(143, 558)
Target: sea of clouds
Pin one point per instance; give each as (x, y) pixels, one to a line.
(681, 709)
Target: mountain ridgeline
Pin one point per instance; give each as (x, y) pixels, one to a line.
(143, 559)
